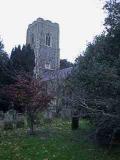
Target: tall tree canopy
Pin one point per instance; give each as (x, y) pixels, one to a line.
(97, 75)
(22, 59)
(4, 70)
(5, 75)
(65, 64)
(21, 62)
(112, 21)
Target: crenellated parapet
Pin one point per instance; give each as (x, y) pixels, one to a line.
(46, 22)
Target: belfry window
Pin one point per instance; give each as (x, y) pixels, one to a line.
(47, 66)
(48, 40)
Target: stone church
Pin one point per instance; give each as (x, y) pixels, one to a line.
(43, 37)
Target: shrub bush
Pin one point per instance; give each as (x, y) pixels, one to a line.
(108, 132)
(20, 124)
(8, 125)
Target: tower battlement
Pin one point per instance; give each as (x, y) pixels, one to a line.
(47, 22)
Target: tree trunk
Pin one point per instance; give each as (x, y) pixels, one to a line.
(31, 124)
(32, 128)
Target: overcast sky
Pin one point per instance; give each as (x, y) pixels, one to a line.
(79, 20)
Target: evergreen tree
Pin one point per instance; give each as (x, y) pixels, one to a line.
(4, 70)
(112, 21)
(22, 59)
(65, 64)
(96, 78)
(5, 76)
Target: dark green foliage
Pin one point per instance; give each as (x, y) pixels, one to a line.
(21, 62)
(97, 73)
(4, 69)
(8, 125)
(5, 76)
(20, 124)
(65, 64)
(108, 131)
(23, 59)
(112, 21)
(96, 78)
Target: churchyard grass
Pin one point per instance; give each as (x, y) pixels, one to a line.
(53, 141)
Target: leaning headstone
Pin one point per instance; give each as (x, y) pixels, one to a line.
(48, 114)
(65, 113)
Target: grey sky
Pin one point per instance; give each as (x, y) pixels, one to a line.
(79, 20)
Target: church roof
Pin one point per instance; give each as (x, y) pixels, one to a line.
(57, 74)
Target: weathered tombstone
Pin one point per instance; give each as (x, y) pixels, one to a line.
(10, 115)
(20, 120)
(48, 114)
(10, 119)
(65, 113)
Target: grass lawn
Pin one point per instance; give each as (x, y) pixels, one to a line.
(55, 141)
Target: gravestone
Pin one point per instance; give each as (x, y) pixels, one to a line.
(10, 116)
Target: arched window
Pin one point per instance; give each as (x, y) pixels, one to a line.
(48, 40)
(47, 66)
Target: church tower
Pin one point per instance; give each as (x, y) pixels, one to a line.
(43, 37)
